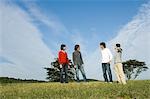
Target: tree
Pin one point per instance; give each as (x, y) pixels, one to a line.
(132, 68)
(53, 73)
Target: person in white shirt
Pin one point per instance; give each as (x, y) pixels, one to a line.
(106, 60)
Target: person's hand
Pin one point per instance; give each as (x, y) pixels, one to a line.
(60, 65)
(69, 64)
(109, 62)
(68, 67)
(75, 66)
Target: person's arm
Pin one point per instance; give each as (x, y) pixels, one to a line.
(59, 59)
(119, 50)
(110, 55)
(74, 59)
(68, 62)
(81, 58)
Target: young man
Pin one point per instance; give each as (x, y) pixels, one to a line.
(106, 60)
(78, 62)
(64, 63)
(118, 65)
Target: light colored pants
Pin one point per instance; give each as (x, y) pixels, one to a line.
(119, 73)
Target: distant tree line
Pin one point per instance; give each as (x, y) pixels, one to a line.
(14, 80)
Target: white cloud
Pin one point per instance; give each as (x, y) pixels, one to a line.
(22, 44)
(135, 41)
(51, 21)
(134, 38)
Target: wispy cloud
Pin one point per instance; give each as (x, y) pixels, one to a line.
(134, 37)
(51, 20)
(22, 41)
(22, 44)
(56, 31)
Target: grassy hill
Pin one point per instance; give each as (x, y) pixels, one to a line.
(90, 90)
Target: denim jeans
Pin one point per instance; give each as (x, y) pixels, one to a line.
(106, 69)
(82, 72)
(64, 73)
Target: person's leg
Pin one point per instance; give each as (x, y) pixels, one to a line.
(61, 74)
(66, 73)
(117, 72)
(83, 72)
(104, 72)
(77, 73)
(121, 73)
(109, 72)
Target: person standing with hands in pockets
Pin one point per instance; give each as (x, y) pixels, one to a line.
(78, 62)
(64, 63)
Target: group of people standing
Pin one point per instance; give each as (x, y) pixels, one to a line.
(79, 64)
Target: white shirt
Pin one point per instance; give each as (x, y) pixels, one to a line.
(106, 55)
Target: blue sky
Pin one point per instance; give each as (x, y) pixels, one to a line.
(37, 28)
(103, 18)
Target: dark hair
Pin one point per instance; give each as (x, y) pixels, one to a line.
(103, 44)
(76, 47)
(62, 46)
(118, 45)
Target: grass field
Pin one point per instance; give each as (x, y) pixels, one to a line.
(89, 90)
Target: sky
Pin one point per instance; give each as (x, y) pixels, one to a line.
(32, 31)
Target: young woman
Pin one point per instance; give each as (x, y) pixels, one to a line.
(64, 63)
(118, 65)
(78, 62)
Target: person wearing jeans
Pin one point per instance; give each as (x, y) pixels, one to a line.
(106, 69)
(118, 67)
(78, 63)
(64, 63)
(106, 60)
(63, 72)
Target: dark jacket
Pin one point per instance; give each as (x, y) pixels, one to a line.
(77, 58)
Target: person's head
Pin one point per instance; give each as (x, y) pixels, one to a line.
(77, 47)
(118, 45)
(63, 47)
(102, 45)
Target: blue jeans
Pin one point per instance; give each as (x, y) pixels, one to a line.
(64, 73)
(106, 69)
(82, 72)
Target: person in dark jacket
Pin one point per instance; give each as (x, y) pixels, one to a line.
(64, 63)
(78, 62)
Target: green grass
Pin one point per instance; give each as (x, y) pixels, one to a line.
(90, 90)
